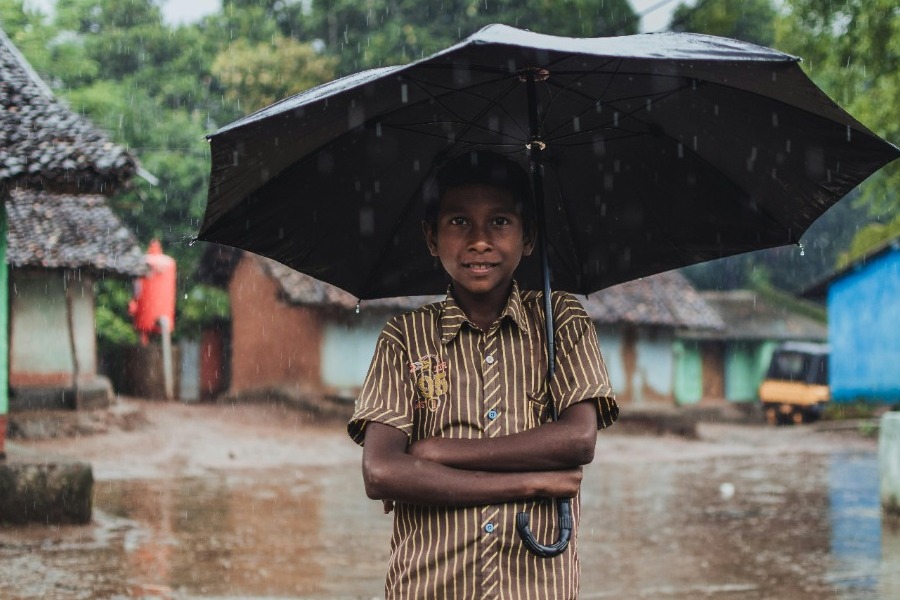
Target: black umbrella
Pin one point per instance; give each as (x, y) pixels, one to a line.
(647, 152)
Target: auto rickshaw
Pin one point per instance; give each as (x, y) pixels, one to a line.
(795, 389)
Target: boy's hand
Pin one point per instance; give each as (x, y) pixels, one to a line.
(388, 506)
(558, 484)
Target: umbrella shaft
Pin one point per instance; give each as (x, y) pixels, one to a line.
(535, 158)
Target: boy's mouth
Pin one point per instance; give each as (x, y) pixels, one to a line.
(479, 267)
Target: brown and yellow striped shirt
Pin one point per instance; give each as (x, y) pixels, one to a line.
(436, 374)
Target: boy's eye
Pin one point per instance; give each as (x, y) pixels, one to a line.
(458, 221)
(501, 221)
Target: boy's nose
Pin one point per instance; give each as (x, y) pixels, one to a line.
(480, 239)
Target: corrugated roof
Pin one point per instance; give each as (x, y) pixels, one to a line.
(748, 316)
(70, 232)
(666, 300)
(43, 144)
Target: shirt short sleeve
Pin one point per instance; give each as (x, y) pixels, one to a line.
(388, 392)
(580, 370)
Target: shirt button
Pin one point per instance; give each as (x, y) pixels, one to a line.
(489, 528)
(492, 414)
(489, 360)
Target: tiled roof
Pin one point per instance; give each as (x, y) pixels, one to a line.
(298, 288)
(43, 144)
(666, 300)
(748, 316)
(70, 232)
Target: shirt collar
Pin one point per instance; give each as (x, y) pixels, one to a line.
(453, 317)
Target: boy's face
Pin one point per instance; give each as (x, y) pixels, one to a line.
(479, 238)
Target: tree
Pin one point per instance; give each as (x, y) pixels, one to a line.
(852, 49)
(746, 20)
(384, 32)
(256, 75)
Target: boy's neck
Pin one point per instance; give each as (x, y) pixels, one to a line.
(482, 309)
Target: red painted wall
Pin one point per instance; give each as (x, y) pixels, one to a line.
(275, 345)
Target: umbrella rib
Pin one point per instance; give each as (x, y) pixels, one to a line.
(664, 96)
(444, 136)
(658, 98)
(581, 76)
(470, 92)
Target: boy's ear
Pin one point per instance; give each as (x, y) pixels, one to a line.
(430, 237)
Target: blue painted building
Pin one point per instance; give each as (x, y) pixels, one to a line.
(864, 327)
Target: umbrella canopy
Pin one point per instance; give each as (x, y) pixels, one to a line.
(659, 151)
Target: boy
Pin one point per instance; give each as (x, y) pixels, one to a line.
(453, 410)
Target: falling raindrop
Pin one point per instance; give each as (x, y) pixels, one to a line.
(576, 124)
(378, 129)
(774, 119)
(848, 133)
(404, 93)
(802, 249)
(680, 150)
(357, 306)
(649, 105)
(616, 119)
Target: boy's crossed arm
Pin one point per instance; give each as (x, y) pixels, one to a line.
(542, 462)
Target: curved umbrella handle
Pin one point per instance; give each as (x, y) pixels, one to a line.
(565, 532)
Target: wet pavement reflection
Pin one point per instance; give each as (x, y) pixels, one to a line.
(799, 527)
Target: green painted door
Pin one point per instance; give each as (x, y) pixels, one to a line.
(688, 372)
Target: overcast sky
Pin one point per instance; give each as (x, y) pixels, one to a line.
(184, 11)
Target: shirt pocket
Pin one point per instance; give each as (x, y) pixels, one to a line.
(538, 407)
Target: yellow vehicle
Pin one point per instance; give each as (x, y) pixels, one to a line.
(796, 386)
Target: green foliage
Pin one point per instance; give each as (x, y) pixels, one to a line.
(202, 305)
(869, 238)
(256, 75)
(852, 49)
(747, 20)
(385, 32)
(114, 325)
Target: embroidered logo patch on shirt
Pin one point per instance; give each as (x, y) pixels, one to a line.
(431, 380)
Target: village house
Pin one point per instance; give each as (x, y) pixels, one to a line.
(58, 247)
(640, 325)
(863, 303)
(292, 336)
(733, 361)
(44, 147)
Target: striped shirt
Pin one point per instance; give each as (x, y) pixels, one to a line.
(436, 374)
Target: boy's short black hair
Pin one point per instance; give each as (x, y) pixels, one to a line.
(481, 168)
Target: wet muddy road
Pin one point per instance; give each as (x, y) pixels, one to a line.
(251, 502)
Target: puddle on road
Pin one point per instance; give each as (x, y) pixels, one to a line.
(804, 527)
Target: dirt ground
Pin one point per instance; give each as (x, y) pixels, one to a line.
(222, 501)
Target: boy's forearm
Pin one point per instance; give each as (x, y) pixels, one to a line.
(564, 444)
(390, 473)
